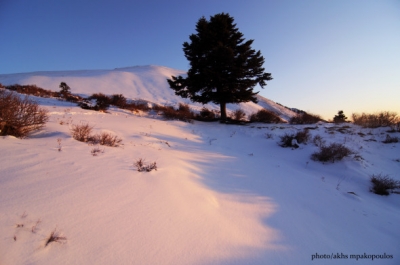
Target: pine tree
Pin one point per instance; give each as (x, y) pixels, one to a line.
(340, 117)
(224, 68)
(65, 89)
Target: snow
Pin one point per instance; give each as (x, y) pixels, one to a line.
(222, 194)
(146, 83)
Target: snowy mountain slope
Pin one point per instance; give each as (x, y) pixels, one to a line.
(141, 82)
(221, 194)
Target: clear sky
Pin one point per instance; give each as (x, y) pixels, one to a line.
(324, 55)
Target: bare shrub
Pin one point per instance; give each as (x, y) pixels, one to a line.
(390, 140)
(81, 132)
(183, 113)
(265, 116)
(20, 117)
(238, 115)
(382, 184)
(318, 141)
(96, 151)
(142, 167)
(206, 115)
(108, 139)
(136, 106)
(305, 118)
(292, 140)
(380, 119)
(32, 90)
(333, 152)
(118, 100)
(55, 237)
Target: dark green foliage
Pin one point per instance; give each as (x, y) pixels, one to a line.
(340, 117)
(65, 90)
(305, 118)
(382, 184)
(265, 116)
(224, 69)
(331, 153)
(102, 101)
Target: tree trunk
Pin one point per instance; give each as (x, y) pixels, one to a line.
(223, 111)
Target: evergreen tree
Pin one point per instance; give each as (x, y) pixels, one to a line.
(65, 89)
(224, 68)
(340, 117)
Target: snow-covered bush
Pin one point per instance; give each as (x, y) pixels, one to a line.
(142, 167)
(20, 116)
(382, 184)
(333, 152)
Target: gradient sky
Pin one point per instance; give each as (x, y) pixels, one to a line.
(324, 55)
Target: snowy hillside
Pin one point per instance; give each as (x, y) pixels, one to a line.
(141, 82)
(221, 194)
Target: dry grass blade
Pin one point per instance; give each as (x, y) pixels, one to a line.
(55, 237)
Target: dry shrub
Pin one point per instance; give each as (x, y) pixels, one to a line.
(118, 100)
(55, 237)
(292, 140)
(142, 167)
(82, 132)
(183, 113)
(238, 115)
(265, 116)
(375, 120)
(305, 118)
(332, 153)
(108, 139)
(206, 115)
(382, 184)
(20, 117)
(390, 140)
(32, 90)
(318, 141)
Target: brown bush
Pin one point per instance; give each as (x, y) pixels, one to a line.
(380, 119)
(206, 115)
(382, 184)
(238, 115)
(265, 116)
(20, 117)
(82, 132)
(305, 118)
(292, 140)
(32, 90)
(108, 139)
(332, 153)
(183, 113)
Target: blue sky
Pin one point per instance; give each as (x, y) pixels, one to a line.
(324, 55)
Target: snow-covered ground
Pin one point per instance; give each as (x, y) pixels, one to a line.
(222, 194)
